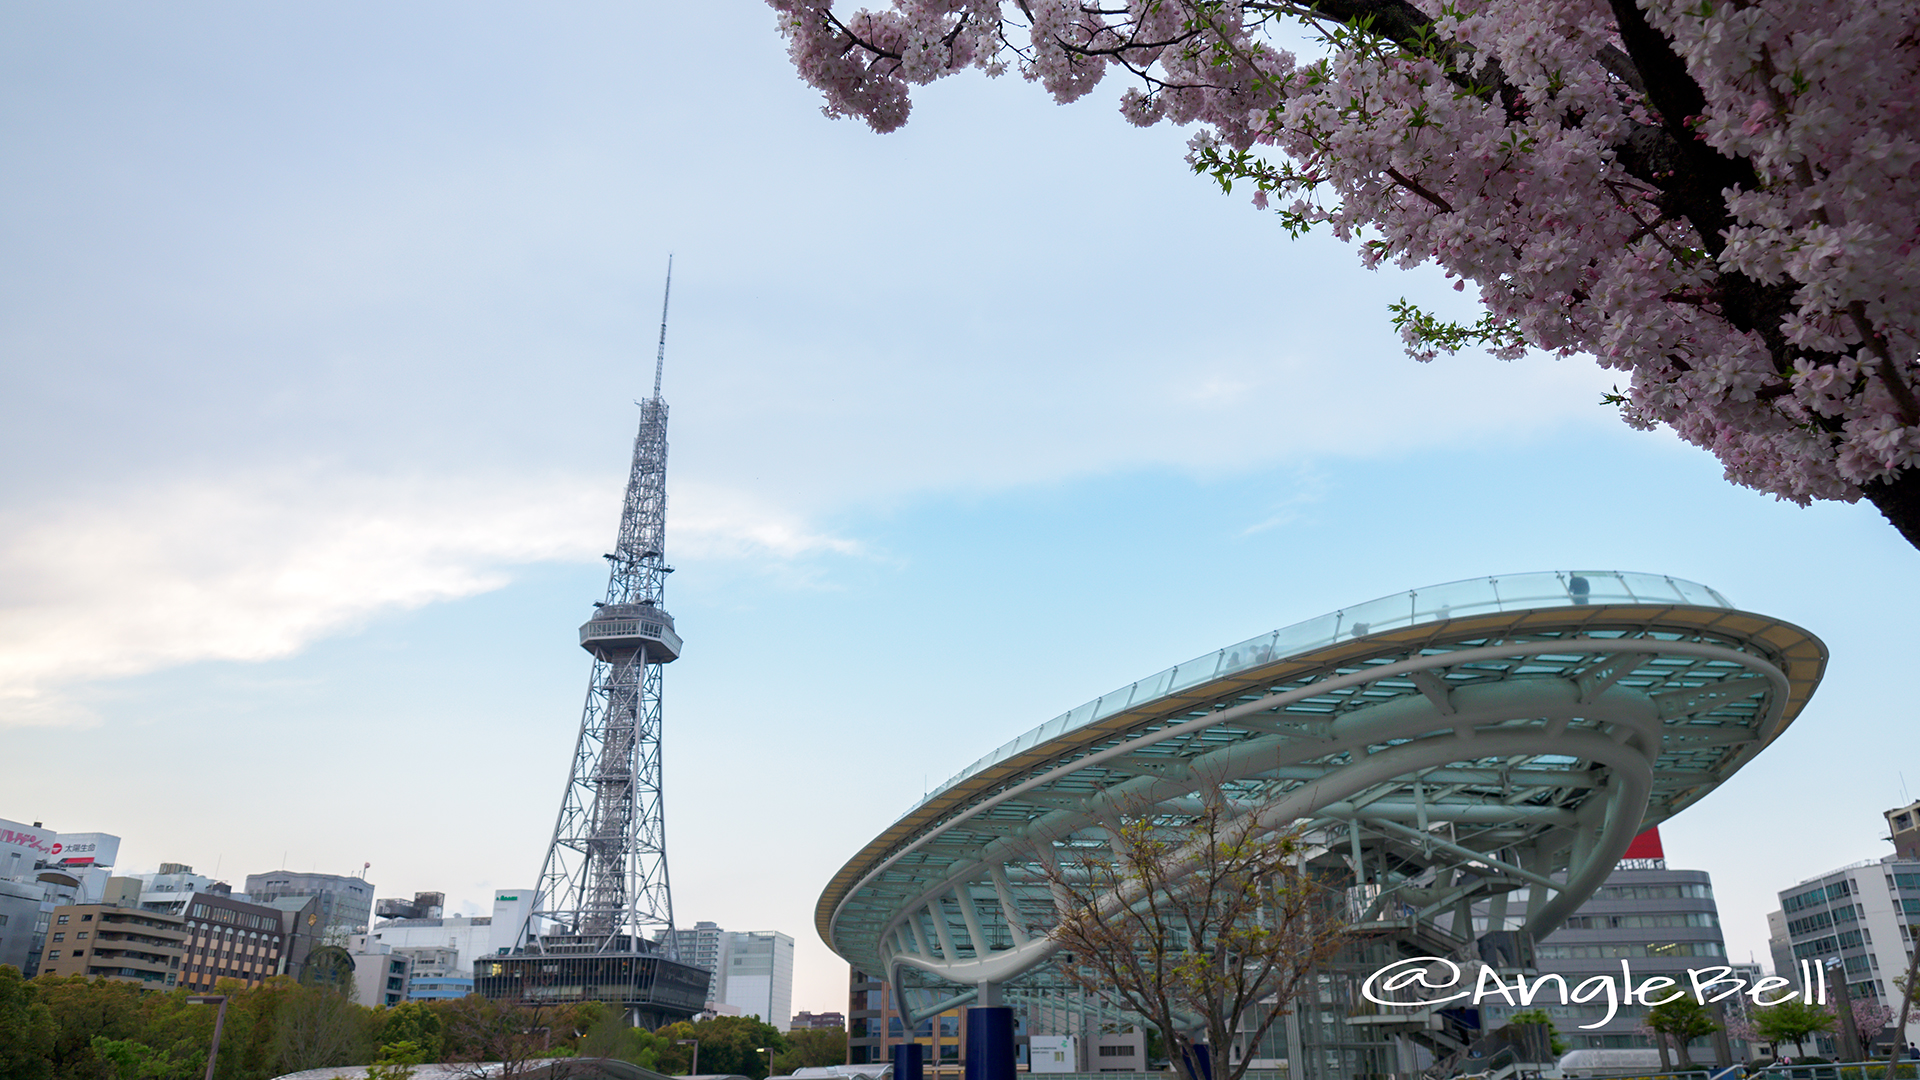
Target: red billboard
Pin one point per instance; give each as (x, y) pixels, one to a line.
(1646, 846)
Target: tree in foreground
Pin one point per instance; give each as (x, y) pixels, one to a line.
(1721, 200)
(1207, 927)
(728, 1044)
(1870, 1021)
(1531, 1022)
(811, 1048)
(1683, 1020)
(1907, 989)
(28, 1030)
(1791, 1021)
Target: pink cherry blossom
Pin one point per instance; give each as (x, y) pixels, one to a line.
(1721, 200)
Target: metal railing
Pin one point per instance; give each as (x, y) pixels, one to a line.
(1907, 1069)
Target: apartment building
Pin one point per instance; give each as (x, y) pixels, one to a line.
(104, 942)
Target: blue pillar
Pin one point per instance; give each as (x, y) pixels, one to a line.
(1200, 1061)
(909, 1062)
(990, 1047)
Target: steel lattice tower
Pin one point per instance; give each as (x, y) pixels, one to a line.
(604, 883)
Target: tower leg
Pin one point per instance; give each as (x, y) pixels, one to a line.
(990, 1049)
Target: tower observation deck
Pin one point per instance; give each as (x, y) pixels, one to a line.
(602, 920)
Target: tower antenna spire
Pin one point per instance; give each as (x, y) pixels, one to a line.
(660, 357)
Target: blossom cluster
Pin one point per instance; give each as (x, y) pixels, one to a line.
(1504, 140)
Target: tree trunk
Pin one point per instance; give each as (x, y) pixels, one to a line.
(1906, 1006)
(1846, 1041)
(1899, 500)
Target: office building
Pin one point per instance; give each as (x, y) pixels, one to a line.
(102, 942)
(26, 850)
(752, 970)
(1863, 914)
(438, 987)
(233, 939)
(173, 887)
(48, 869)
(876, 1027)
(19, 916)
(759, 975)
(423, 932)
(380, 974)
(806, 1021)
(1661, 921)
(1060, 1033)
(346, 903)
(300, 915)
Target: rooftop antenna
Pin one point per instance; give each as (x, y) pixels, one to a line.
(660, 357)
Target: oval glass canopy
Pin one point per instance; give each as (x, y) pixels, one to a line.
(1525, 726)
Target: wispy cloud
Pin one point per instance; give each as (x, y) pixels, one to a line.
(258, 566)
(1310, 487)
(709, 522)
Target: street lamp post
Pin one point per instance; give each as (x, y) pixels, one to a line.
(219, 1021)
(695, 1043)
(768, 1050)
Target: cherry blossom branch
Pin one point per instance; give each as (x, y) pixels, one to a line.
(1414, 186)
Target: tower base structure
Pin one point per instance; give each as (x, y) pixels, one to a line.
(651, 990)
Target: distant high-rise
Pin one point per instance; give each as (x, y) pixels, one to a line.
(1903, 828)
(752, 969)
(1859, 918)
(705, 947)
(603, 894)
(346, 903)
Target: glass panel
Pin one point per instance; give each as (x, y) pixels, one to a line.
(1250, 653)
(1148, 689)
(1523, 591)
(1194, 672)
(1452, 600)
(1697, 594)
(1377, 615)
(1113, 703)
(1652, 587)
(1455, 600)
(1301, 637)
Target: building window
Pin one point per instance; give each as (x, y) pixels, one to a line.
(54, 955)
(79, 952)
(59, 937)
(62, 920)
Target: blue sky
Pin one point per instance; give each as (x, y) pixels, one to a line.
(319, 335)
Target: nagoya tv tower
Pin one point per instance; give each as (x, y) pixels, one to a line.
(603, 898)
